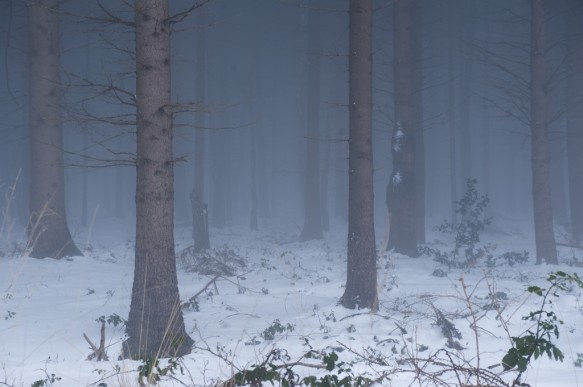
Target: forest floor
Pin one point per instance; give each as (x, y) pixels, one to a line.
(277, 293)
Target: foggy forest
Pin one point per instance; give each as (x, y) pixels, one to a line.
(291, 192)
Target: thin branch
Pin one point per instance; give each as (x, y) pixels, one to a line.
(180, 16)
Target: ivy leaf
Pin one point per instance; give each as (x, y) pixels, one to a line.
(510, 360)
(330, 361)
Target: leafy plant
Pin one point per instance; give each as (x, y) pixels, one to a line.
(467, 250)
(538, 341)
(277, 368)
(276, 327)
(466, 232)
(191, 304)
(151, 372)
(113, 319)
(579, 361)
(514, 257)
(48, 380)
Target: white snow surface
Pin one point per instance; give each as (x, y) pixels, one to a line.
(47, 305)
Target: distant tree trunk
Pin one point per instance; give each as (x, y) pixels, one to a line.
(361, 282)
(48, 232)
(219, 175)
(402, 187)
(200, 222)
(418, 122)
(254, 136)
(486, 126)
(273, 153)
(119, 199)
(451, 106)
(84, 181)
(253, 221)
(557, 169)
(541, 189)
(312, 217)
(155, 325)
(575, 116)
(262, 183)
(326, 167)
(466, 95)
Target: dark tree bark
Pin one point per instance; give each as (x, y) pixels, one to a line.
(254, 137)
(451, 106)
(402, 187)
(418, 122)
(466, 132)
(219, 155)
(575, 116)
(361, 282)
(253, 216)
(312, 216)
(326, 168)
(48, 232)
(340, 177)
(540, 157)
(200, 224)
(155, 325)
(486, 163)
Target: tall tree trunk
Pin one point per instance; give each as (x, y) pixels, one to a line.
(326, 167)
(253, 139)
(361, 281)
(119, 191)
(541, 189)
(451, 106)
(557, 171)
(340, 156)
(466, 94)
(253, 221)
(575, 116)
(262, 183)
(84, 178)
(418, 122)
(48, 232)
(402, 187)
(312, 216)
(200, 224)
(155, 325)
(218, 143)
(273, 152)
(486, 124)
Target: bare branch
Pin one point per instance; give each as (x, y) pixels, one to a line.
(180, 16)
(110, 19)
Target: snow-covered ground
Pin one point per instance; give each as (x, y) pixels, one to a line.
(46, 306)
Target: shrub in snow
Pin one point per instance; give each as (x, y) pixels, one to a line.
(218, 261)
(467, 250)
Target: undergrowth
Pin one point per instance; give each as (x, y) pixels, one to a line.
(467, 249)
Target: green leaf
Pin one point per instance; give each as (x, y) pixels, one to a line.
(510, 360)
(330, 361)
(535, 290)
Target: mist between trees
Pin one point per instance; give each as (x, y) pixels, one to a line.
(239, 114)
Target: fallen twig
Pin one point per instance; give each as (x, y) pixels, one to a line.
(98, 352)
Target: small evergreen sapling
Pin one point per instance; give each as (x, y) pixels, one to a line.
(466, 232)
